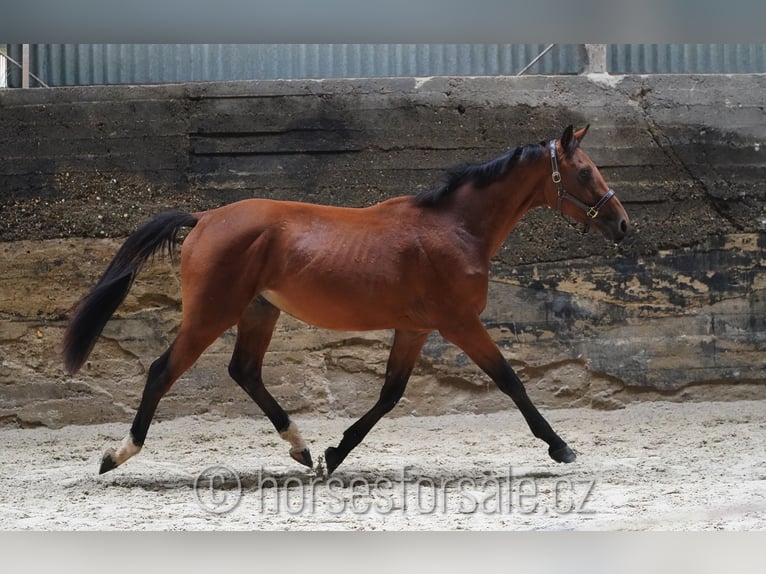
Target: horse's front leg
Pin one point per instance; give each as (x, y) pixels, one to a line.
(404, 352)
(473, 338)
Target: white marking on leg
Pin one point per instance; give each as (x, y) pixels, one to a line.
(293, 436)
(126, 450)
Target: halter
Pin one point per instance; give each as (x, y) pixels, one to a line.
(562, 194)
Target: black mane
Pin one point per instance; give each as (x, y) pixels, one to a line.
(480, 175)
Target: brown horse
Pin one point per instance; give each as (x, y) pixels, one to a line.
(414, 264)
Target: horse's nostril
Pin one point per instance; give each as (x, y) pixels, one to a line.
(624, 226)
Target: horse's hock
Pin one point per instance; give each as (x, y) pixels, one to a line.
(677, 312)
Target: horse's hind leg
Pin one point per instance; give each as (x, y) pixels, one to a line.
(182, 353)
(404, 352)
(253, 337)
(472, 337)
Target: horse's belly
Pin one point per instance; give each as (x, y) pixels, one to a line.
(336, 314)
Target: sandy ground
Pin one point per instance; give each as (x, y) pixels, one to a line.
(650, 466)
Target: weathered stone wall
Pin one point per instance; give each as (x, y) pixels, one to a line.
(678, 311)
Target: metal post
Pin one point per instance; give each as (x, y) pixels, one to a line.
(595, 55)
(25, 65)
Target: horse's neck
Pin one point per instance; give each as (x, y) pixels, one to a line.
(490, 214)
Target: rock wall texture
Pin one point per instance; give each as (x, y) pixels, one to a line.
(677, 311)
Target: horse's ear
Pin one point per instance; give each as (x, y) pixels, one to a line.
(579, 134)
(566, 139)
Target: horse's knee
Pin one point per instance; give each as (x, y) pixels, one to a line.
(390, 398)
(509, 382)
(242, 371)
(158, 371)
(235, 370)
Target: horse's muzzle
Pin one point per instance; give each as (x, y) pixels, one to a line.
(618, 229)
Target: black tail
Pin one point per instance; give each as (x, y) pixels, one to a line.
(94, 310)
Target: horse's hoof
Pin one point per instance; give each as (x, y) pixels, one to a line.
(302, 456)
(332, 459)
(562, 454)
(107, 462)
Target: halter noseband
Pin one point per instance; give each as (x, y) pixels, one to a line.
(562, 194)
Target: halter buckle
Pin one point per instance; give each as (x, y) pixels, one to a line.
(592, 213)
(556, 177)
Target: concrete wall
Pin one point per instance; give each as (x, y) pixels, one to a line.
(677, 312)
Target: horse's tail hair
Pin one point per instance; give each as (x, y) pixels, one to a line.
(95, 309)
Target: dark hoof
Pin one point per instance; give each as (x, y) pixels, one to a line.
(303, 457)
(332, 459)
(107, 463)
(562, 454)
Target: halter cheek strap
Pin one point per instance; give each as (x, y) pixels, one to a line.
(590, 211)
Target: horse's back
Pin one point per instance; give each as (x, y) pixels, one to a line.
(384, 266)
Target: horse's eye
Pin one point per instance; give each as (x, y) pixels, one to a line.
(585, 175)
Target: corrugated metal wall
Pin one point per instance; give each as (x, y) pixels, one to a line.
(686, 58)
(78, 64)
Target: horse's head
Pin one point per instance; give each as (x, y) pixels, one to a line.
(580, 192)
